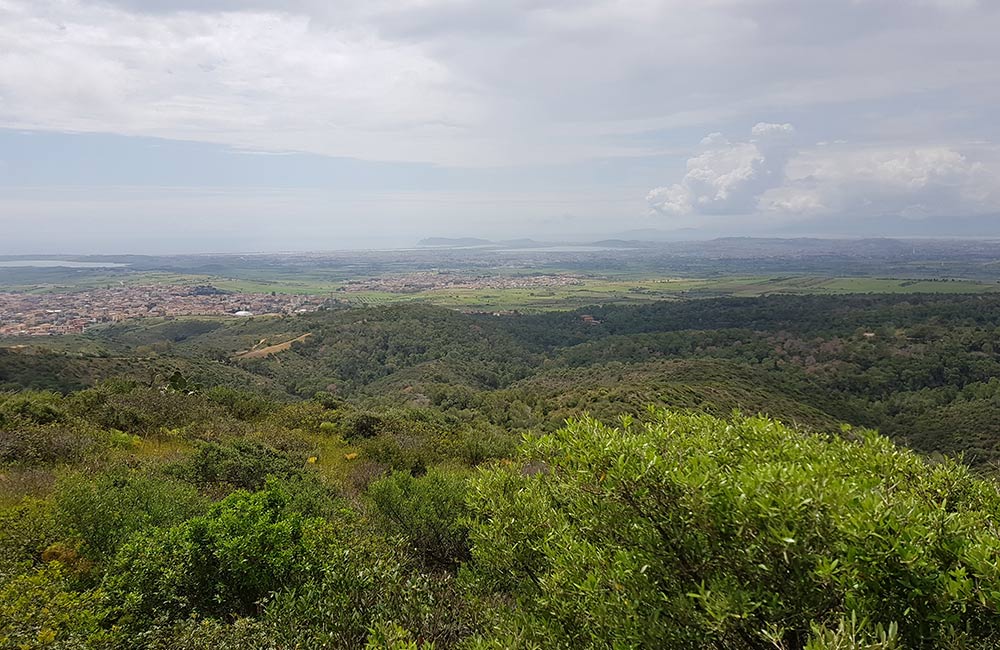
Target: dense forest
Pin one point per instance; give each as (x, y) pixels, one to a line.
(778, 472)
(922, 369)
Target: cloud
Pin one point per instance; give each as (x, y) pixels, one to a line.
(768, 177)
(728, 178)
(484, 83)
(907, 182)
(256, 79)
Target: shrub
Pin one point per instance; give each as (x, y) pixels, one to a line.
(240, 464)
(428, 512)
(105, 510)
(390, 636)
(35, 444)
(208, 634)
(301, 415)
(363, 424)
(142, 410)
(39, 609)
(852, 635)
(34, 407)
(224, 563)
(240, 405)
(689, 531)
(477, 446)
(363, 582)
(401, 453)
(26, 530)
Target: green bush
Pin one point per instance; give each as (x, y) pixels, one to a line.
(479, 445)
(428, 512)
(26, 530)
(390, 636)
(208, 634)
(35, 444)
(689, 531)
(224, 563)
(401, 453)
(40, 609)
(105, 509)
(364, 424)
(301, 415)
(237, 464)
(240, 404)
(35, 407)
(362, 582)
(852, 635)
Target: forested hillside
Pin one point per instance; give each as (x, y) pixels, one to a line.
(691, 474)
(921, 369)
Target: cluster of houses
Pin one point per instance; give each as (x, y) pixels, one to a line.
(40, 314)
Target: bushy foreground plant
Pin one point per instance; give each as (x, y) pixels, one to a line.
(225, 563)
(26, 530)
(690, 531)
(288, 579)
(362, 583)
(428, 512)
(106, 509)
(40, 609)
(236, 464)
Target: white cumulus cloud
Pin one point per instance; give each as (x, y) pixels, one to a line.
(909, 182)
(729, 177)
(767, 176)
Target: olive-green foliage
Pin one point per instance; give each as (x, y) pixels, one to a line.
(401, 452)
(308, 416)
(208, 634)
(850, 634)
(36, 407)
(360, 583)
(35, 428)
(33, 444)
(39, 609)
(363, 424)
(241, 405)
(427, 512)
(687, 531)
(237, 464)
(26, 530)
(226, 562)
(390, 636)
(405, 439)
(105, 509)
(141, 410)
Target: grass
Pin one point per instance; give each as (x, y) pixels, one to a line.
(332, 458)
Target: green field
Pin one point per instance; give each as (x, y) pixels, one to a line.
(604, 291)
(593, 289)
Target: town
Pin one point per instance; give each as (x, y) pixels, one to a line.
(438, 280)
(42, 314)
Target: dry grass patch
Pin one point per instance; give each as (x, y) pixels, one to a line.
(258, 352)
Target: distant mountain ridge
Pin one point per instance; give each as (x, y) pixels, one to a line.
(454, 241)
(737, 247)
(469, 242)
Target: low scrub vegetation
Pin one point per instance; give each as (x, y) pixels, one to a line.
(413, 478)
(668, 529)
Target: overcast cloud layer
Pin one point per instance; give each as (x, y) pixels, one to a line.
(423, 117)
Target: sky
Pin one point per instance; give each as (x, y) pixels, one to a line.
(159, 126)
